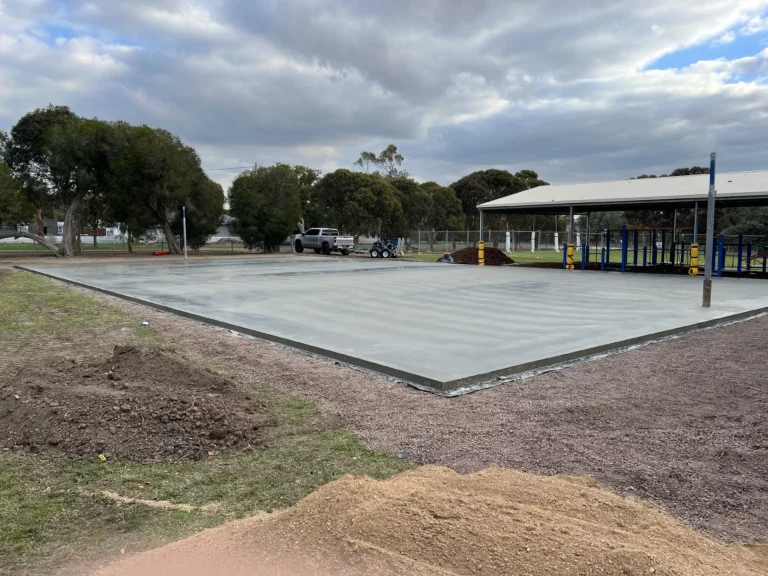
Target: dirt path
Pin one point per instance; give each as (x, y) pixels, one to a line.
(680, 423)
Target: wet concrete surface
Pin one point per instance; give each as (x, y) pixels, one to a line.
(439, 325)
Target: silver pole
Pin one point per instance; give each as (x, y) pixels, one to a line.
(588, 229)
(481, 225)
(184, 225)
(570, 227)
(706, 301)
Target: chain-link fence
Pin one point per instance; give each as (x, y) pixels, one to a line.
(453, 240)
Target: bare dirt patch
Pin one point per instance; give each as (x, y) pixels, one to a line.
(680, 423)
(432, 521)
(138, 405)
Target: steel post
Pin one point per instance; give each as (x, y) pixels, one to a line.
(710, 240)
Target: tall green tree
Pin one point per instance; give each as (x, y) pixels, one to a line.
(360, 203)
(152, 176)
(265, 204)
(388, 163)
(311, 215)
(486, 185)
(205, 208)
(46, 168)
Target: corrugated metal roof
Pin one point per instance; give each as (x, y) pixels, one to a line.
(733, 188)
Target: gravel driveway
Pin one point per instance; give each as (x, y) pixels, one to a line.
(682, 423)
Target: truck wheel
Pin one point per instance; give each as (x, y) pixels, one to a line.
(326, 248)
(374, 253)
(345, 252)
(298, 246)
(317, 250)
(386, 253)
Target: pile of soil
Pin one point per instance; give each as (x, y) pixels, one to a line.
(493, 257)
(433, 521)
(139, 405)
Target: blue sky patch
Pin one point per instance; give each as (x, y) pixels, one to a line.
(742, 46)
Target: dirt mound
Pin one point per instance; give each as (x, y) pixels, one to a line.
(493, 257)
(433, 521)
(138, 405)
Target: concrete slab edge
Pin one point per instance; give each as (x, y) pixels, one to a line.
(449, 388)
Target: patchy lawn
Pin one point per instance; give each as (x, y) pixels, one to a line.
(67, 515)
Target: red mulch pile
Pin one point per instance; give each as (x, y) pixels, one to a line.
(493, 257)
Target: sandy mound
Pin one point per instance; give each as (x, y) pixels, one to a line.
(137, 405)
(493, 257)
(432, 521)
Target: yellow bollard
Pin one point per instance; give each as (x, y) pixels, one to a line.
(694, 269)
(481, 253)
(569, 258)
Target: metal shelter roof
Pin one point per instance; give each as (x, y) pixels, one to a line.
(733, 189)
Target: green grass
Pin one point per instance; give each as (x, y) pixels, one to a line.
(53, 513)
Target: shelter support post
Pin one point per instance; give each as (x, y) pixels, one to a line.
(637, 242)
(570, 248)
(706, 300)
(571, 232)
(740, 254)
(720, 256)
(695, 223)
(624, 246)
(589, 231)
(584, 256)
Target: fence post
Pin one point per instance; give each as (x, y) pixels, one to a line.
(654, 249)
(608, 247)
(645, 256)
(584, 256)
(565, 255)
(602, 259)
(749, 257)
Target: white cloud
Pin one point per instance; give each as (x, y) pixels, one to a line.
(555, 86)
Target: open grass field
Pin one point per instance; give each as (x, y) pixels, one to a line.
(56, 514)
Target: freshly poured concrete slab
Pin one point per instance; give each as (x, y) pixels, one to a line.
(440, 326)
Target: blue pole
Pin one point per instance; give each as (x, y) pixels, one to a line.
(602, 260)
(654, 249)
(637, 238)
(663, 244)
(749, 257)
(624, 246)
(584, 256)
(565, 254)
(645, 256)
(741, 248)
(721, 256)
(608, 247)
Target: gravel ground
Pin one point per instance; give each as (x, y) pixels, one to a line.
(680, 423)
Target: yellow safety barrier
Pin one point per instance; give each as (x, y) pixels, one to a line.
(569, 257)
(481, 253)
(694, 269)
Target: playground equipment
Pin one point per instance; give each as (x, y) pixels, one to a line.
(673, 249)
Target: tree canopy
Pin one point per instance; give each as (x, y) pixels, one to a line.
(265, 204)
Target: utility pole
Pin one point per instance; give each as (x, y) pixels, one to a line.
(706, 301)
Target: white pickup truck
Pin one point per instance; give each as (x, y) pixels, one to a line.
(325, 240)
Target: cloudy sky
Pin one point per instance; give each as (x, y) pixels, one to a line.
(576, 90)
